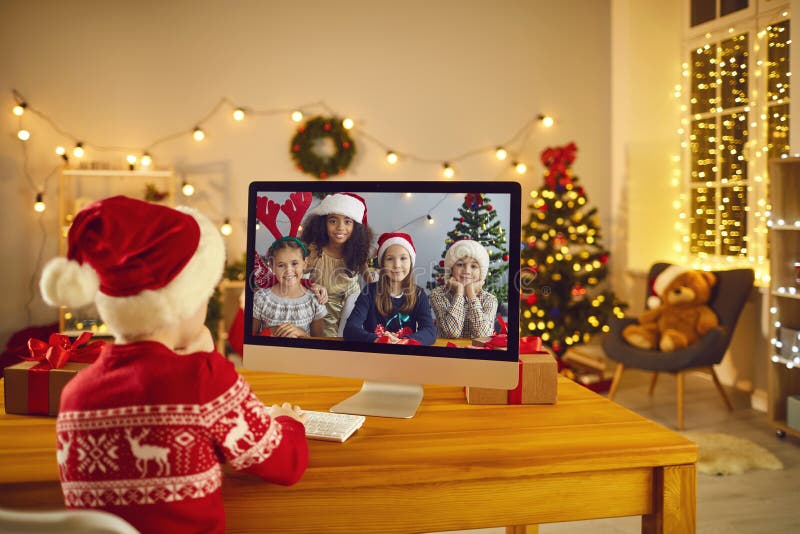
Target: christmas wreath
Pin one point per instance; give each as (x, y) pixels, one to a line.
(323, 147)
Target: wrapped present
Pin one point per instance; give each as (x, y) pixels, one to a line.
(401, 336)
(537, 379)
(33, 387)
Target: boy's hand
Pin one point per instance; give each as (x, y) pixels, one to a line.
(203, 342)
(287, 409)
(321, 292)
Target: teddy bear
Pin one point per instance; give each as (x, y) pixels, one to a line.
(683, 315)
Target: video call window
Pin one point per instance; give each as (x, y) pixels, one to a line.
(375, 267)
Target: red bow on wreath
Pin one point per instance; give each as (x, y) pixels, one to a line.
(60, 350)
(383, 335)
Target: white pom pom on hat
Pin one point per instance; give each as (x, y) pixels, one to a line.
(146, 266)
(68, 283)
(466, 248)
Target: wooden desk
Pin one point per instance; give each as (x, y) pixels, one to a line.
(453, 466)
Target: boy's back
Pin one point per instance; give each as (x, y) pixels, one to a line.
(142, 431)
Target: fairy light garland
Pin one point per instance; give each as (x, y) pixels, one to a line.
(240, 113)
(142, 155)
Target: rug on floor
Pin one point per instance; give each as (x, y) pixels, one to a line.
(723, 454)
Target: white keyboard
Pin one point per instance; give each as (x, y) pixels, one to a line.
(329, 426)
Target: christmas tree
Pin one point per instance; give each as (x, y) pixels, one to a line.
(478, 221)
(563, 263)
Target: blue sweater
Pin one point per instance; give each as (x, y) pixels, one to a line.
(365, 318)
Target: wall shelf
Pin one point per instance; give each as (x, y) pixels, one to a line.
(783, 375)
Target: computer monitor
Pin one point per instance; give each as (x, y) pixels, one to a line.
(434, 214)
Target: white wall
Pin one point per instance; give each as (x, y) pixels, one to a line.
(646, 66)
(431, 78)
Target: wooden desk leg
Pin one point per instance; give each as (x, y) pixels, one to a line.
(674, 501)
(523, 529)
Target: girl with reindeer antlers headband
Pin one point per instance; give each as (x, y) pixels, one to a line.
(286, 308)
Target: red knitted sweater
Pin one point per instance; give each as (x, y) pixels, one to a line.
(142, 432)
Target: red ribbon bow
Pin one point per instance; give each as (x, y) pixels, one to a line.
(497, 341)
(530, 344)
(383, 336)
(60, 350)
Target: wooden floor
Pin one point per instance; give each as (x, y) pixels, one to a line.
(754, 502)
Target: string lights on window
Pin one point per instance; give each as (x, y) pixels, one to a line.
(730, 128)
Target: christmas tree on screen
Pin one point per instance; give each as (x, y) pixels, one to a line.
(563, 261)
(477, 220)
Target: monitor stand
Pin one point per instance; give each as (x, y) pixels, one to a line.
(384, 399)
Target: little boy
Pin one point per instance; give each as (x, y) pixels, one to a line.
(142, 431)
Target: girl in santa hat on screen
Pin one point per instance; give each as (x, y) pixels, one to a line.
(339, 242)
(142, 431)
(462, 307)
(393, 309)
(287, 308)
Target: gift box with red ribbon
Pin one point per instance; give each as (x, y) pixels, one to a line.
(33, 387)
(537, 379)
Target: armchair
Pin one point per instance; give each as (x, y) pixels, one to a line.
(727, 300)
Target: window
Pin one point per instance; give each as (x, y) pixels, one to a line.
(703, 11)
(736, 119)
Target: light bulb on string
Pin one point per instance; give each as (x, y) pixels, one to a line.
(391, 157)
(198, 134)
(226, 228)
(297, 115)
(19, 109)
(61, 151)
(131, 159)
(347, 123)
(78, 151)
(23, 134)
(519, 167)
(430, 219)
(546, 120)
(146, 160)
(39, 205)
(187, 189)
(500, 153)
(447, 170)
(238, 114)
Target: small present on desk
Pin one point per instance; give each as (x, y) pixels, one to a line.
(33, 387)
(537, 379)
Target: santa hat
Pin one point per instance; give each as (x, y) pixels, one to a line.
(144, 265)
(396, 238)
(660, 283)
(347, 204)
(466, 248)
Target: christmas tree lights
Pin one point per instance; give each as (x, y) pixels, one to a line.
(563, 263)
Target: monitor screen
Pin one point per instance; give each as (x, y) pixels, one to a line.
(392, 282)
